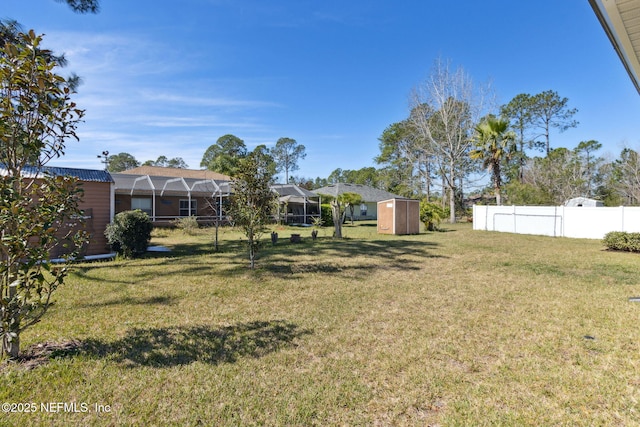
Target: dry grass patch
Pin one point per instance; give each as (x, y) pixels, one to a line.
(453, 328)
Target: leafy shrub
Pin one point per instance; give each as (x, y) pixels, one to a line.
(129, 233)
(317, 221)
(431, 214)
(622, 241)
(326, 215)
(188, 224)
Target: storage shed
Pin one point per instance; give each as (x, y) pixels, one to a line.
(583, 201)
(96, 203)
(399, 216)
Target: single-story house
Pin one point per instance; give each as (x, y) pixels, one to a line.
(165, 198)
(370, 196)
(166, 194)
(297, 205)
(97, 204)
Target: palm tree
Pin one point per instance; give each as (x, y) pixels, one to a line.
(494, 142)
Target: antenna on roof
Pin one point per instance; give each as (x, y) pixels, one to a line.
(105, 157)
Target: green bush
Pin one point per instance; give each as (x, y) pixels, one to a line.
(129, 233)
(431, 214)
(326, 215)
(188, 224)
(622, 241)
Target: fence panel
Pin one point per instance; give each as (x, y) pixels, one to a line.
(557, 221)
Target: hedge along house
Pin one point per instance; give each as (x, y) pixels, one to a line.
(167, 198)
(296, 205)
(368, 209)
(97, 205)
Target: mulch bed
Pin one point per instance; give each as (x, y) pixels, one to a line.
(40, 354)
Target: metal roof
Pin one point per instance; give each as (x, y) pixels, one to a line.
(87, 175)
(621, 21)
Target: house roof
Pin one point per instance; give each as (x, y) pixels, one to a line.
(621, 22)
(293, 190)
(368, 194)
(87, 175)
(291, 193)
(177, 173)
(167, 185)
(126, 183)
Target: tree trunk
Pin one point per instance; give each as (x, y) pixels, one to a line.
(11, 345)
(252, 252)
(497, 183)
(337, 220)
(452, 193)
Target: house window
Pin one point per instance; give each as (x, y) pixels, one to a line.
(363, 210)
(142, 203)
(184, 208)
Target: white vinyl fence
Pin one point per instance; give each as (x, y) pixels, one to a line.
(557, 221)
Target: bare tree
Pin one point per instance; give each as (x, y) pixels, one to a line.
(626, 176)
(444, 110)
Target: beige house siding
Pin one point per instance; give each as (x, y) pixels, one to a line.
(97, 199)
(96, 205)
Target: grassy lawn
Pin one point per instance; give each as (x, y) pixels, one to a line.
(452, 328)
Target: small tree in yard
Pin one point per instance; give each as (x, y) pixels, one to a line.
(350, 201)
(38, 211)
(252, 201)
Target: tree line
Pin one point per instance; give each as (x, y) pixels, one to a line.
(226, 156)
(454, 132)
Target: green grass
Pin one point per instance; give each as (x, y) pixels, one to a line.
(449, 328)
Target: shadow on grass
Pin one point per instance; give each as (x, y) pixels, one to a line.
(285, 258)
(155, 300)
(172, 346)
(324, 255)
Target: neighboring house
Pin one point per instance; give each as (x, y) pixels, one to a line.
(370, 195)
(97, 204)
(165, 198)
(297, 205)
(166, 194)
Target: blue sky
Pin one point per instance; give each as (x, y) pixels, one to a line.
(169, 78)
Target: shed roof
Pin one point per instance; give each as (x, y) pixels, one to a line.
(368, 194)
(583, 201)
(87, 175)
